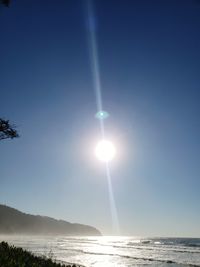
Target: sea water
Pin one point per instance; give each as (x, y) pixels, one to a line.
(113, 251)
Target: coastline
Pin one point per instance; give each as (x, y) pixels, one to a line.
(15, 256)
(110, 251)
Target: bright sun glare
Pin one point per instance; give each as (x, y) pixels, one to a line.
(105, 150)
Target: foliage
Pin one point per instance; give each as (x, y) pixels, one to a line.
(5, 2)
(11, 256)
(7, 130)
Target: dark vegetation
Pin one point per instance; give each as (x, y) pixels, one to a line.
(5, 2)
(13, 221)
(7, 130)
(11, 256)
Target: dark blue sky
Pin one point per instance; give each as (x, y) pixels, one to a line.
(149, 60)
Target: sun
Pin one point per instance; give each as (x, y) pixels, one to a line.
(105, 150)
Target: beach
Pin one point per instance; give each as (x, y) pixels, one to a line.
(113, 251)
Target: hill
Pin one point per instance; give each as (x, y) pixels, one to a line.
(13, 221)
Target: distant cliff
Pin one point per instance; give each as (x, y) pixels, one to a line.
(13, 221)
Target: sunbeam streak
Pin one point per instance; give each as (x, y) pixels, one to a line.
(94, 61)
(101, 114)
(94, 55)
(115, 221)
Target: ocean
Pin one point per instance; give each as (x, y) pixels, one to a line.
(113, 251)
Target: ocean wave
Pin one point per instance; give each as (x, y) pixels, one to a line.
(139, 258)
(161, 248)
(132, 245)
(134, 258)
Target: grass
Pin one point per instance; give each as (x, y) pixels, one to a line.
(11, 256)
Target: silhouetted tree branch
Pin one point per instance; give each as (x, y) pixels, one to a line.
(7, 130)
(5, 2)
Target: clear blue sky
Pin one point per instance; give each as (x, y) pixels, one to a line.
(149, 58)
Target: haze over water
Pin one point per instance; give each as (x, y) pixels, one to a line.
(114, 251)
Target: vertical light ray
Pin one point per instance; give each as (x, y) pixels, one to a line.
(98, 95)
(95, 62)
(94, 55)
(115, 221)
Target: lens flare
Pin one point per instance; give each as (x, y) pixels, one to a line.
(102, 115)
(105, 150)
